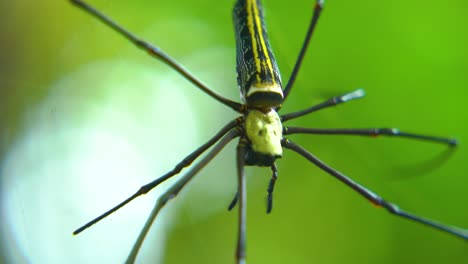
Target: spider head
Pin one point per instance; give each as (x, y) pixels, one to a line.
(264, 132)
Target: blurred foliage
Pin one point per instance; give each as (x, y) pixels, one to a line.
(410, 56)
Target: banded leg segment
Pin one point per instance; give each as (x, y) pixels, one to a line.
(156, 53)
(271, 187)
(373, 197)
(317, 10)
(242, 194)
(359, 93)
(176, 188)
(184, 163)
(372, 132)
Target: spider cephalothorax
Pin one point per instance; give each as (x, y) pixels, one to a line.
(264, 132)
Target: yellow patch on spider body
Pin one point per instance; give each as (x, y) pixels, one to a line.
(265, 131)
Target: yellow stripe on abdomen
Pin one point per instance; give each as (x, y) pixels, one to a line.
(255, 28)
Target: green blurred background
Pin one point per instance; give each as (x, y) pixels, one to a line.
(86, 119)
